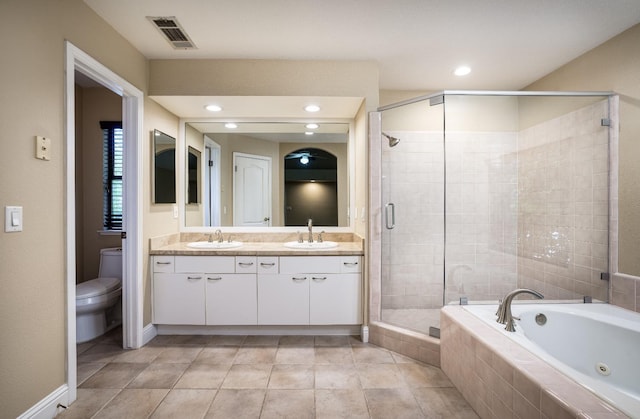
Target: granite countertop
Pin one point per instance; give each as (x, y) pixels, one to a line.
(349, 244)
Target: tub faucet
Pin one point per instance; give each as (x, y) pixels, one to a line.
(504, 310)
(310, 226)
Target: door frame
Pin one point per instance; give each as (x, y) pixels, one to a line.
(132, 125)
(211, 175)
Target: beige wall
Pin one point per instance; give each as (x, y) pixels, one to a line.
(615, 66)
(33, 298)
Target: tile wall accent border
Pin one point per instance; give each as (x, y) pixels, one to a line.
(625, 291)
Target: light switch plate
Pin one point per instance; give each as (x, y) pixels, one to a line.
(43, 148)
(12, 219)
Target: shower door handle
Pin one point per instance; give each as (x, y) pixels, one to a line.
(393, 215)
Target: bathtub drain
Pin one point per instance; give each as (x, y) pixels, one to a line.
(541, 319)
(602, 368)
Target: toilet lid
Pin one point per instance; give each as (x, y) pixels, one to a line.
(96, 286)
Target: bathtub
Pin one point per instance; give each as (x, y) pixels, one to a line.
(596, 345)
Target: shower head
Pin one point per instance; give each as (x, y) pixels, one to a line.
(393, 141)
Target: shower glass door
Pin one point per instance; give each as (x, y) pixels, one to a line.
(412, 268)
(527, 195)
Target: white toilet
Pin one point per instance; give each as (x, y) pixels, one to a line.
(98, 301)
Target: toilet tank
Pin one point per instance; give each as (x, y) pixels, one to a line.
(110, 263)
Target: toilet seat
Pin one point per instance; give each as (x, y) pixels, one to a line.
(96, 287)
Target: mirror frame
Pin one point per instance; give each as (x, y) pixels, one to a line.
(181, 151)
(154, 135)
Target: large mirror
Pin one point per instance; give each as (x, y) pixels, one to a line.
(263, 174)
(163, 172)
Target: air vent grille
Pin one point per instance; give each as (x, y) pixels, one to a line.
(172, 32)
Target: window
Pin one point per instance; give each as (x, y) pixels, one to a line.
(112, 164)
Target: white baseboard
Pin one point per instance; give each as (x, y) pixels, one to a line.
(47, 408)
(349, 330)
(149, 332)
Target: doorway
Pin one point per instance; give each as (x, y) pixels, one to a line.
(132, 120)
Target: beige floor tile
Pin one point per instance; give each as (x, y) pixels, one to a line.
(132, 404)
(114, 375)
(297, 341)
(443, 403)
(261, 340)
(397, 403)
(379, 376)
(371, 354)
(83, 347)
(158, 376)
(256, 355)
(291, 376)
(245, 404)
(247, 376)
(295, 355)
(288, 404)
(145, 355)
(101, 353)
(336, 404)
(422, 375)
(203, 376)
(89, 401)
(217, 355)
(183, 403)
(87, 369)
(336, 376)
(226, 340)
(178, 355)
(332, 340)
(333, 355)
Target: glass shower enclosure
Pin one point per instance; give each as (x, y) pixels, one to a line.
(485, 192)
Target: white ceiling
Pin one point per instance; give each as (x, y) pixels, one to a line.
(417, 43)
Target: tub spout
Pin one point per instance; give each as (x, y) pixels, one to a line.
(504, 310)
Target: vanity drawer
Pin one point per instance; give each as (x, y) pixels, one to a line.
(350, 264)
(268, 265)
(246, 264)
(217, 264)
(309, 264)
(163, 264)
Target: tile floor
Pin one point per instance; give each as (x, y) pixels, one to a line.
(258, 377)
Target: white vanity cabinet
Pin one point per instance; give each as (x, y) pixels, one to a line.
(262, 290)
(204, 290)
(311, 290)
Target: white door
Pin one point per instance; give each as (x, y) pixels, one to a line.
(251, 190)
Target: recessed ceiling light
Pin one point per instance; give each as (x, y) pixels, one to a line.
(213, 108)
(463, 70)
(231, 125)
(308, 133)
(312, 126)
(312, 108)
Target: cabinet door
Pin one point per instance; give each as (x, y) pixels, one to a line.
(335, 299)
(231, 299)
(178, 298)
(283, 299)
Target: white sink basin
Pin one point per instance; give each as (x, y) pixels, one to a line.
(311, 246)
(214, 245)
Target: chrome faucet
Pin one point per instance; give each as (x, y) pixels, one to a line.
(310, 226)
(504, 310)
(218, 234)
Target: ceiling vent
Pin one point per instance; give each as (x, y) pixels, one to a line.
(172, 32)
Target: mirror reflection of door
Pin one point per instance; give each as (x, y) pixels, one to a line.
(251, 190)
(193, 173)
(311, 188)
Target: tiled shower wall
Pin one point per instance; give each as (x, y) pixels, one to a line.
(563, 217)
(524, 209)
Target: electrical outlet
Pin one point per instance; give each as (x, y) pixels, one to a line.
(43, 148)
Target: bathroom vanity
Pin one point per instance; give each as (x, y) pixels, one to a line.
(260, 284)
